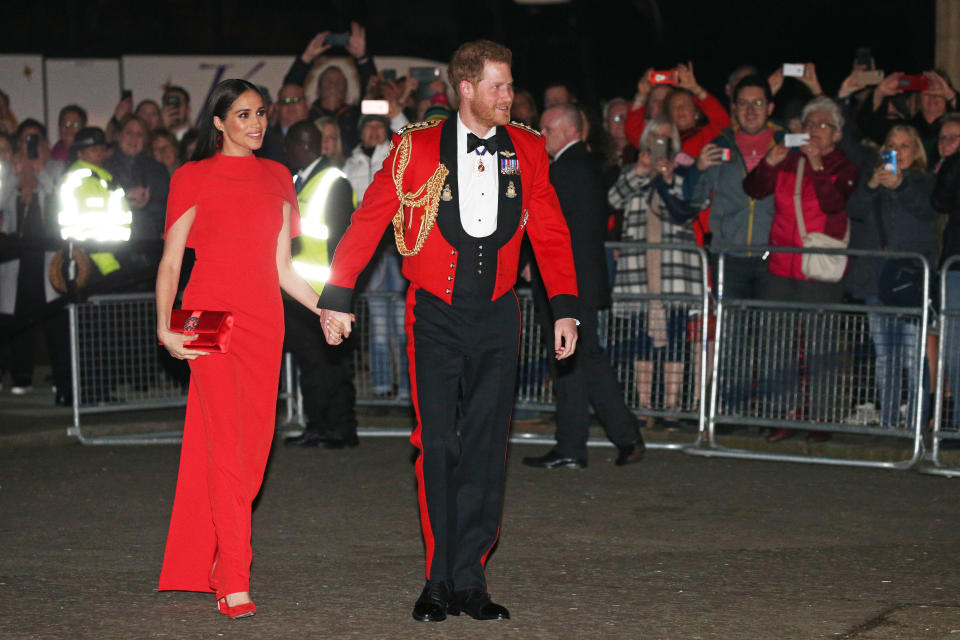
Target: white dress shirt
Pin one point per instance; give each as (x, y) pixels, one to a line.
(478, 190)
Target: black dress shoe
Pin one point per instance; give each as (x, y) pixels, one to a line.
(305, 439)
(337, 442)
(432, 604)
(476, 604)
(554, 460)
(630, 453)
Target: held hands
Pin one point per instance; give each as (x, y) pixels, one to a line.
(336, 325)
(177, 344)
(564, 337)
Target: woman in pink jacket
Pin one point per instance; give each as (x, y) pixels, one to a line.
(827, 181)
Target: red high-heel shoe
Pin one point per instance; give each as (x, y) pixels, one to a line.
(244, 610)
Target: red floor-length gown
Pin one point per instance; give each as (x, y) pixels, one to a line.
(231, 404)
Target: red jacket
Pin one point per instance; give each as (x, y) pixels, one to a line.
(434, 268)
(697, 138)
(823, 200)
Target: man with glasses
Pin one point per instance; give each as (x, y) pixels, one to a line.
(736, 218)
(292, 107)
(72, 118)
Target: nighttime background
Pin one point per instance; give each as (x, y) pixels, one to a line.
(598, 47)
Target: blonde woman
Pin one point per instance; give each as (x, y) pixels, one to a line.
(332, 144)
(891, 210)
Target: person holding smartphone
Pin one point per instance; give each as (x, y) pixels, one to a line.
(175, 111)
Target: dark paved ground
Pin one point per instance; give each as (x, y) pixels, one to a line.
(676, 547)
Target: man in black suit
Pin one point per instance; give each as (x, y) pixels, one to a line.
(586, 377)
(326, 374)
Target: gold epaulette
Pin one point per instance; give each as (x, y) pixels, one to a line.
(416, 126)
(525, 127)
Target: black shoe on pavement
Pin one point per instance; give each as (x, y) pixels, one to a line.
(554, 460)
(432, 604)
(630, 453)
(476, 604)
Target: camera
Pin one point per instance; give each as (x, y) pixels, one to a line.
(662, 77)
(424, 77)
(374, 107)
(914, 83)
(172, 100)
(870, 78)
(888, 159)
(337, 39)
(659, 150)
(793, 70)
(796, 139)
(33, 146)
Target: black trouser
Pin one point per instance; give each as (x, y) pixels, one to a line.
(744, 278)
(326, 373)
(463, 363)
(583, 379)
(32, 313)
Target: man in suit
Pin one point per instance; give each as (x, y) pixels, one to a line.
(326, 376)
(483, 183)
(587, 378)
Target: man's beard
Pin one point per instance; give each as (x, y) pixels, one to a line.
(488, 117)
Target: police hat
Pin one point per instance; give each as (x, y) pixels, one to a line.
(88, 137)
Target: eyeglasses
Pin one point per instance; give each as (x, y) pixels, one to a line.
(747, 104)
(292, 100)
(72, 125)
(812, 124)
(949, 138)
(618, 118)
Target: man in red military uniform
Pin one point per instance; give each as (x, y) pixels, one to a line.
(461, 193)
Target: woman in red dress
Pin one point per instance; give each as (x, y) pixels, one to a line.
(238, 212)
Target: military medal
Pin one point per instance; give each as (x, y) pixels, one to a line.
(511, 190)
(526, 216)
(447, 194)
(509, 165)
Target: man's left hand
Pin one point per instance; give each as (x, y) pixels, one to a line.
(564, 337)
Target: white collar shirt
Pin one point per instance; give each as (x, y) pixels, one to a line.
(477, 189)
(565, 147)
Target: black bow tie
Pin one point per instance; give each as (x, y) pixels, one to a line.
(489, 144)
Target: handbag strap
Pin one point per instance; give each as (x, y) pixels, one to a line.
(797, 193)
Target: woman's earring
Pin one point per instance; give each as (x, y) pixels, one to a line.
(219, 139)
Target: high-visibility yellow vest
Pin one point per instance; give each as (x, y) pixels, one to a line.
(91, 210)
(312, 260)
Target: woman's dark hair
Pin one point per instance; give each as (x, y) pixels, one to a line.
(218, 104)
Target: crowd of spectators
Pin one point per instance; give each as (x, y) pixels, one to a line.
(683, 167)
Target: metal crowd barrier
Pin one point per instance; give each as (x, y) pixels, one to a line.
(670, 383)
(117, 365)
(807, 366)
(946, 409)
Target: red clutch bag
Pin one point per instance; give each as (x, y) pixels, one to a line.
(212, 328)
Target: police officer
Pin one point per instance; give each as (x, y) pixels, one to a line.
(92, 210)
(326, 379)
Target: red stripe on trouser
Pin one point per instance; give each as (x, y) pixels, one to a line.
(415, 437)
(483, 559)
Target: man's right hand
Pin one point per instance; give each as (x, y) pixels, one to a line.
(709, 157)
(315, 47)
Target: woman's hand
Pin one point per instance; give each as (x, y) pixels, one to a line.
(178, 345)
(775, 81)
(888, 179)
(643, 89)
(686, 80)
(644, 164)
(665, 168)
(336, 325)
(809, 78)
(776, 154)
(814, 154)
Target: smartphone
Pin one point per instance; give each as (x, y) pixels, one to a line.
(127, 94)
(793, 70)
(864, 56)
(374, 107)
(33, 146)
(337, 39)
(796, 139)
(424, 76)
(889, 160)
(724, 155)
(870, 78)
(914, 83)
(658, 149)
(172, 100)
(390, 75)
(662, 77)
